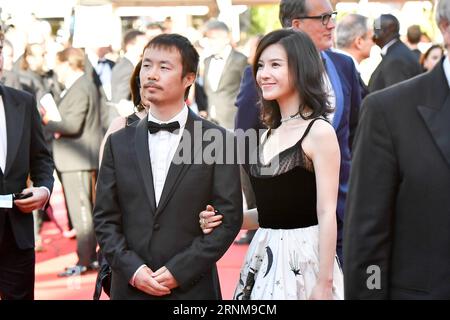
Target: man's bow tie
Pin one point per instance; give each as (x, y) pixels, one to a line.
(154, 127)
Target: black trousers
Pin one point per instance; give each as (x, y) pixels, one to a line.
(78, 189)
(16, 267)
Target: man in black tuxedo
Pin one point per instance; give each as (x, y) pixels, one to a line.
(76, 151)
(398, 63)
(147, 205)
(396, 235)
(23, 154)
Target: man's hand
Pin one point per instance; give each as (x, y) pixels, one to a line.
(36, 201)
(44, 116)
(209, 219)
(165, 278)
(146, 283)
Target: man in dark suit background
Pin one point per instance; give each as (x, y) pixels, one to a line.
(316, 18)
(23, 154)
(354, 38)
(223, 74)
(76, 151)
(147, 204)
(396, 236)
(414, 35)
(398, 63)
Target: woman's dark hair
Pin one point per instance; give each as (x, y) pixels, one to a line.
(135, 86)
(424, 56)
(306, 73)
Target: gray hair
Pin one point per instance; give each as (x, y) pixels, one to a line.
(290, 10)
(352, 26)
(216, 25)
(443, 11)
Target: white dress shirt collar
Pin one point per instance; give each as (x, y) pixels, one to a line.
(72, 79)
(181, 117)
(348, 55)
(387, 46)
(225, 53)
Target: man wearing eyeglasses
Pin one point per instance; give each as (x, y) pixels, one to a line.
(317, 19)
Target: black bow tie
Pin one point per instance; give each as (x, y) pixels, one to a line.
(154, 127)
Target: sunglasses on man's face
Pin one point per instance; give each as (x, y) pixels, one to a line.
(325, 18)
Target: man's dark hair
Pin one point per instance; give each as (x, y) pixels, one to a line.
(390, 24)
(130, 37)
(189, 56)
(414, 34)
(290, 10)
(306, 72)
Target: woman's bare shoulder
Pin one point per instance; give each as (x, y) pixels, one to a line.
(322, 129)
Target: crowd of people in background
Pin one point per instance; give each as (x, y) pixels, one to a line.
(370, 188)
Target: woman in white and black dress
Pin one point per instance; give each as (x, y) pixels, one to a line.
(296, 179)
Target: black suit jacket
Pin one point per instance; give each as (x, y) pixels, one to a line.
(77, 149)
(132, 231)
(398, 208)
(27, 155)
(398, 64)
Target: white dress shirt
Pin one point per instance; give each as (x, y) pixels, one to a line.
(349, 55)
(446, 66)
(331, 96)
(216, 66)
(3, 139)
(215, 70)
(162, 146)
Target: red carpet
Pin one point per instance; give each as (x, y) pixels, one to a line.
(59, 253)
